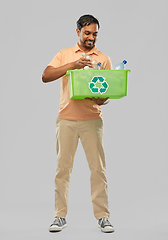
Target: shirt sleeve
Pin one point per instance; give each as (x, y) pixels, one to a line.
(108, 64)
(56, 62)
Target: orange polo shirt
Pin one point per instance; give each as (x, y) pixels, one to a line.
(74, 109)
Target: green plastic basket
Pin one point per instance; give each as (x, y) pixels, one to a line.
(97, 83)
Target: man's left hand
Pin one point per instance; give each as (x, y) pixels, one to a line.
(99, 101)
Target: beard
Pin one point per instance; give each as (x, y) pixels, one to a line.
(88, 44)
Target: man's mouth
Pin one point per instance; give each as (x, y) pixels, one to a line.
(89, 42)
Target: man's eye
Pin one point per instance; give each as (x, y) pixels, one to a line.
(87, 33)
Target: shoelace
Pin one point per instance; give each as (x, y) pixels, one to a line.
(58, 221)
(105, 222)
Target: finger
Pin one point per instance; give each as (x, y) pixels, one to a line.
(87, 61)
(87, 98)
(104, 98)
(106, 102)
(89, 64)
(93, 99)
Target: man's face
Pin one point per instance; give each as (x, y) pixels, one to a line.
(88, 36)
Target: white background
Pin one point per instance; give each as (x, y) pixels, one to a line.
(135, 139)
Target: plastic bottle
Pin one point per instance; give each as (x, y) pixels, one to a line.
(86, 68)
(120, 66)
(96, 65)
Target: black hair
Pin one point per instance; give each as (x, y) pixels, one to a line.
(86, 20)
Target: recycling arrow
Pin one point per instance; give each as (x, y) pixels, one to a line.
(95, 89)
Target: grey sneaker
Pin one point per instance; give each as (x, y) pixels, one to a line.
(58, 224)
(105, 225)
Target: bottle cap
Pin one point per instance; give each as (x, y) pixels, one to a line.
(99, 64)
(124, 61)
(83, 54)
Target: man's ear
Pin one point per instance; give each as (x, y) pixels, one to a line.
(78, 31)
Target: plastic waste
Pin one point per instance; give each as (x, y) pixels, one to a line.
(86, 68)
(96, 65)
(120, 66)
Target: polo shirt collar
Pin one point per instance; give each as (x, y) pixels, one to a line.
(93, 50)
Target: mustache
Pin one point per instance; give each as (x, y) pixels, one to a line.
(89, 41)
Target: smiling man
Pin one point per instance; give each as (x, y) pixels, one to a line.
(79, 119)
(87, 36)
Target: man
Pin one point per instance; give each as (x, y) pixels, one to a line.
(79, 119)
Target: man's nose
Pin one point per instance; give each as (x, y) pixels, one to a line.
(91, 37)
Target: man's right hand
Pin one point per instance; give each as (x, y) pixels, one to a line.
(82, 62)
(51, 73)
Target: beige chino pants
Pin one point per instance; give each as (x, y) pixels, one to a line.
(91, 135)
